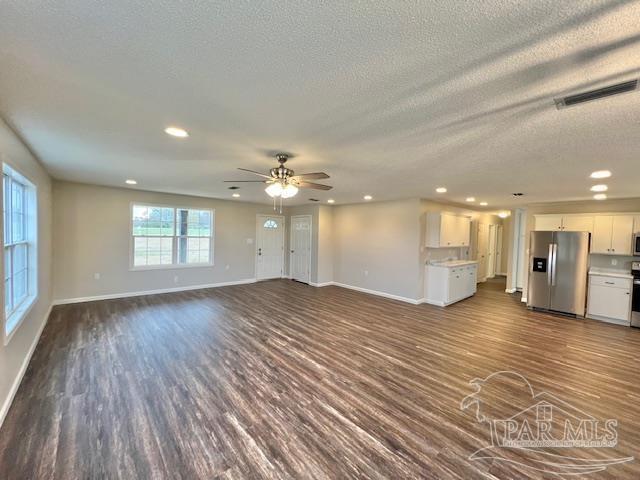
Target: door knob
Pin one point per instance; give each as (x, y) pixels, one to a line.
(259, 251)
(291, 251)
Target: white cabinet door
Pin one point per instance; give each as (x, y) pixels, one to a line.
(601, 238)
(470, 280)
(463, 231)
(456, 285)
(577, 223)
(548, 222)
(621, 234)
(609, 302)
(448, 230)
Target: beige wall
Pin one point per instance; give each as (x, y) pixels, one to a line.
(92, 235)
(325, 244)
(381, 238)
(15, 354)
(506, 239)
(594, 206)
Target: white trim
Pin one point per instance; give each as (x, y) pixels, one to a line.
(523, 299)
(510, 290)
(310, 245)
(23, 369)
(322, 284)
(110, 296)
(378, 293)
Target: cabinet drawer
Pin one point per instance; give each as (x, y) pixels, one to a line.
(613, 282)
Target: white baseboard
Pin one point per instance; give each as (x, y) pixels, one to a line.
(614, 321)
(322, 284)
(378, 293)
(110, 296)
(437, 303)
(523, 299)
(510, 290)
(23, 368)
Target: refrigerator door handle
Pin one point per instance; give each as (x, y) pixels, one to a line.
(555, 258)
(550, 265)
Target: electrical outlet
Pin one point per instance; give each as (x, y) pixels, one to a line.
(226, 267)
(614, 261)
(175, 279)
(366, 273)
(249, 241)
(96, 276)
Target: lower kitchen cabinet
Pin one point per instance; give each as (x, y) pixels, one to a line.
(609, 299)
(446, 285)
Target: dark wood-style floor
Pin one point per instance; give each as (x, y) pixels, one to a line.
(282, 380)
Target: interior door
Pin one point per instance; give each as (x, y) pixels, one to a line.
(269, 246)
(569, 275)
(499, 248)
(300, 251)
(483, 246)
(491, 252)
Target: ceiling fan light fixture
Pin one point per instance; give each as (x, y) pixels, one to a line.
(289, 191)
(274, 190)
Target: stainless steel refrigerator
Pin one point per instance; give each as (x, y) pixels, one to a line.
(558, 268)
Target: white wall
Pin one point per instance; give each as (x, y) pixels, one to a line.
(381, 238)
(92, 234)
(15, 355)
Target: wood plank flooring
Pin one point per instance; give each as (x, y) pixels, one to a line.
(237, 382)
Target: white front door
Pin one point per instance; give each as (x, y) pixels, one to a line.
(300, 258)
(269, 246)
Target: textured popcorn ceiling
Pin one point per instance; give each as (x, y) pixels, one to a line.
(390, 98)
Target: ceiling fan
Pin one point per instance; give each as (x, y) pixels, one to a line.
(282, 182)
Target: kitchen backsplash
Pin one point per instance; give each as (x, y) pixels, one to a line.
(613, 262)
(442, 254)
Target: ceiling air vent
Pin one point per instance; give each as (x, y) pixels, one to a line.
(616, 89)
(314, 200)
(233, 188)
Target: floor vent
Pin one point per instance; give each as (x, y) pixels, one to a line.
(583, 97)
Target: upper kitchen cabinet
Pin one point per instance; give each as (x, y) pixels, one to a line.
(447, 230)
(612, 234)
(565, 223)
(548, 222)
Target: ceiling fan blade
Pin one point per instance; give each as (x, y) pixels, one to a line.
(312, 176)
(315, 186)
(245, 181)
(254, 172)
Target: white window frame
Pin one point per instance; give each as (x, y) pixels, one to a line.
(14, 318)
(174, 247)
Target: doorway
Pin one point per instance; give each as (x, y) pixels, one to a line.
(269, 246)
(300, 249)
(491, 252)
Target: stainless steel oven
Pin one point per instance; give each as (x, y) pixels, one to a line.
(636, 244)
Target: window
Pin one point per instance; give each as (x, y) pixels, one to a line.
(166, 236)
(270, 224)
(20, 250)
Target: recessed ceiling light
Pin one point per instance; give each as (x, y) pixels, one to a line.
(441, 190)
(130, 182)
(601, 174)
(331, 200)
(599, 188)
(471, 199)
(483, 204)
(176, 132)
(235, 195)
(368, 197)
(600, 196)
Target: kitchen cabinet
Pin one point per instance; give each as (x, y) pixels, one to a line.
(445, 285)
(446, 230)
(566, 223)
(609, 299)
(548, 222)
(612, 234)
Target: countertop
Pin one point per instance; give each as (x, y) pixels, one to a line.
(452, 263)
(607, 272)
